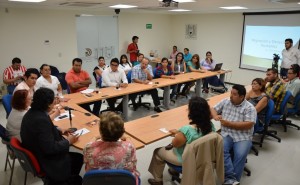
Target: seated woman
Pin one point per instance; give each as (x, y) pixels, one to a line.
(49, 81)
(45, 141)
(179, 67)
(165, 71)
(258, 98)
(199, 126)
(208, 64)
(125, 64)
(20, 104)
(194, 66)
(111, 150)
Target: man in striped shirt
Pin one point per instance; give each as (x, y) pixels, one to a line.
(13, 75)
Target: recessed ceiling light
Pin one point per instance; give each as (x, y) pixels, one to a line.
(234, 8)
(28, 1)
(122, 6)
(299, 3)
(179, 10)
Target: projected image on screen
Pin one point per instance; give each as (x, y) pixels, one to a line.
(264, 37)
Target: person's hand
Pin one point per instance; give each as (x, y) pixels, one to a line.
(123, 85)
(224, 122)
(146, 82)
(173, 131)
(72, 138)
(202, 70)
(218, 117)
(172, 77)
(18, 78)
(55, 112)
(123, 138)
(64, 131)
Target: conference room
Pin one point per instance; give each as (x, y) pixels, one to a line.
(55, 33)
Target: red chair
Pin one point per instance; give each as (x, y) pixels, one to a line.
(26, 159)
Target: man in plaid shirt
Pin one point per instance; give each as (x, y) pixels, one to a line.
(237, 117)
(275, 88)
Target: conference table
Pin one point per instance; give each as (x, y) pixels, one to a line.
(111, 92)
(88, 122)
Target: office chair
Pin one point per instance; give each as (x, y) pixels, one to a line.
(212, 144)
(280, 116)
(109, 177)
(264, 129)
(26, 159)
(9, 154)
(139, 103)
(6, 100)
(54, 71)
(61, 78)
(293, 111)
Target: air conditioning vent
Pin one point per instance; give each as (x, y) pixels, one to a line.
(80, 4)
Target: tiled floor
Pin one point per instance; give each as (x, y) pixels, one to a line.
(277, 163)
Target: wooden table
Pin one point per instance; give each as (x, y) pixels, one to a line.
(80, 120)
(110, 92)
(147, 130)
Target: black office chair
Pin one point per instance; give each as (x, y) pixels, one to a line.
(293, 111)
(61, 77)
(54, 71)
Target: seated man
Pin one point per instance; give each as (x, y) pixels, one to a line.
(13, 75)
(114, 77)
(237, 117)
(275, 88)
(293, 84)
(98, 70)
(79, 80)
(29, 82)
(143, 74)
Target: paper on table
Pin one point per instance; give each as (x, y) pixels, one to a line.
(84, 131)
(87, 91)
(63, 116)
(164, 130)
(150, 83)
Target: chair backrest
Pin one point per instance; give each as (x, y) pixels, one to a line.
(284, 102)
(62, 80)
(129, 76)
(270, 111)
(6, 100)
(26, 159)
(109, 177)
(154, 73)
(54, 71)
(295, 109)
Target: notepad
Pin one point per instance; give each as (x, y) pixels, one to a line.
(164, 130)
(83, 130)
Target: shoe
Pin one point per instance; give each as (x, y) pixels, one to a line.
(231, 182)
(154, 182)
(173, 172)
(157, 109)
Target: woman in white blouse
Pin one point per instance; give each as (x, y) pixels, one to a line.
(125, 64)
(49, 81)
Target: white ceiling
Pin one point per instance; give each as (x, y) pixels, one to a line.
(200, 6)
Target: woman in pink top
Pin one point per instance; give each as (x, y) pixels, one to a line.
(111, 150)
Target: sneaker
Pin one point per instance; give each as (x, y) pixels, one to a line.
(173, 172)
(231, 182)
(154, 182)
(157, 109)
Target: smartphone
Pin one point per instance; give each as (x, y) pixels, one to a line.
(63, 116)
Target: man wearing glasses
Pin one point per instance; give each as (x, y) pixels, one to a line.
(114, 77)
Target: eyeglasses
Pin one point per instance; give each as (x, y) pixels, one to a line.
(114, 65)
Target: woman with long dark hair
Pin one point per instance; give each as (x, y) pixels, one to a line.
(200, 125)
(125, 64)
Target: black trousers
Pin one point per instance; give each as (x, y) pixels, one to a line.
(75, 178)
(96, 108)
(111, 103)
(152, 92)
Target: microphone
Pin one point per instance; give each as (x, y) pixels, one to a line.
(69, 109)
(71, 129)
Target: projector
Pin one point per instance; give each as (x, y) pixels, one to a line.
(169, 3)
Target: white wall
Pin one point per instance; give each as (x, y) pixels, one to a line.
(219, 33)
(23, 32)
(158, 38)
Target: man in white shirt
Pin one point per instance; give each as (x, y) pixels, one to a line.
(293, 85)
(114, 77)
(290, 56)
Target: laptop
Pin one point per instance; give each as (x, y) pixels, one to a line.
(218, 67)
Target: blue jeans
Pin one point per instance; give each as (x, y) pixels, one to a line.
(234, 167)
(10, 89)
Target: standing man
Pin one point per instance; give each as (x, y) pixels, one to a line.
(79, 80)
(114, 77)
(13, 75)
(30, 78)
(290, 56)
(237, 117)
(275, 88)
(133, 50)
(143, 74)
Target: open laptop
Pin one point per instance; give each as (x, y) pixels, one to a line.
(218, 67)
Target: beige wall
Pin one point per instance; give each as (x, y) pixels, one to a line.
(23, 32)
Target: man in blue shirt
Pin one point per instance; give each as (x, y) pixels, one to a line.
(143, 74)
